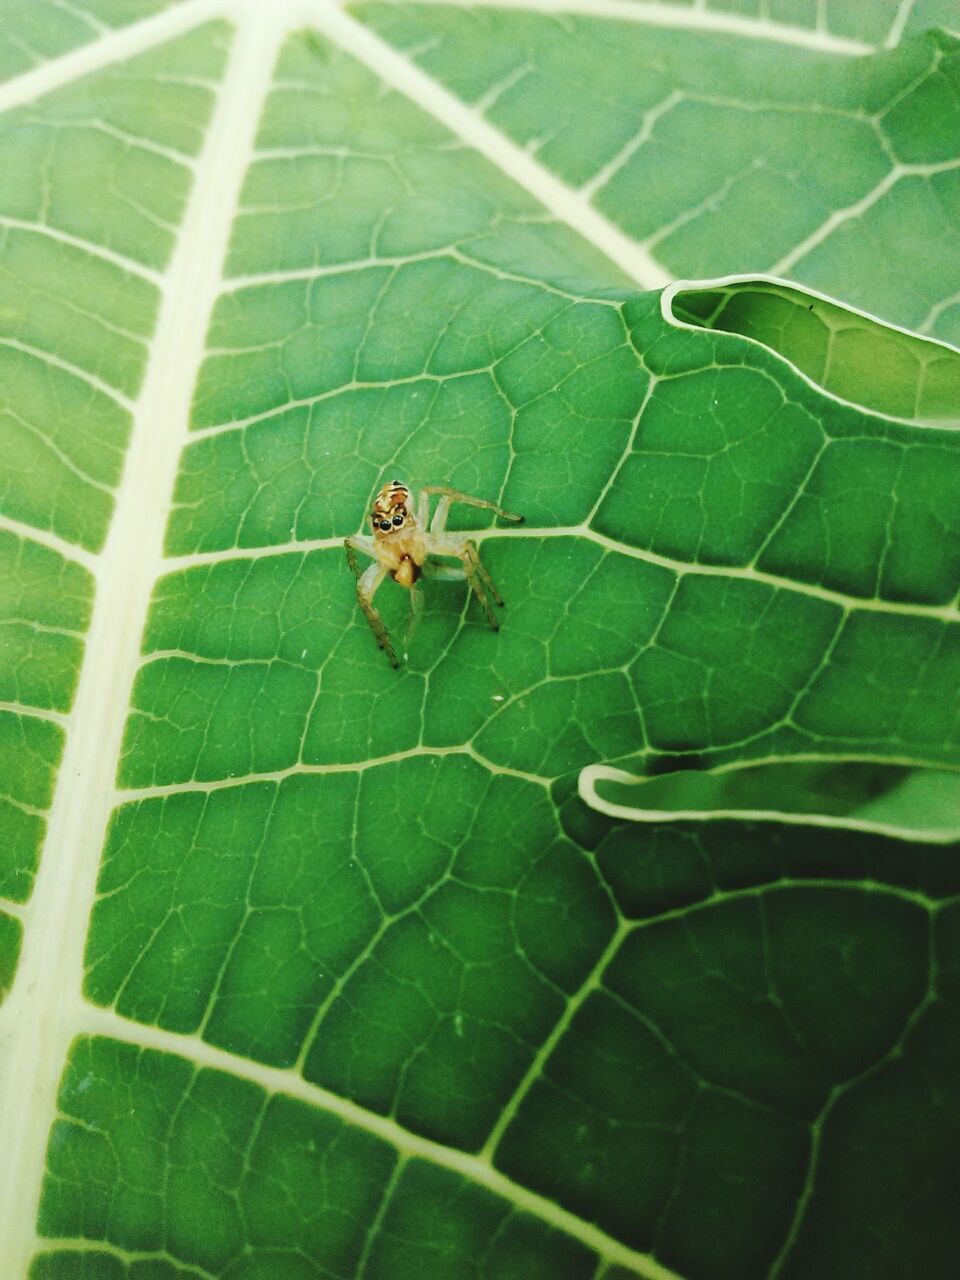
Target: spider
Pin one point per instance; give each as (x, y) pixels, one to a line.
(403, 548)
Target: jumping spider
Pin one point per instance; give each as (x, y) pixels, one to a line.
(403, 548)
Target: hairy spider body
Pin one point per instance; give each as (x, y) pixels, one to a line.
(402, 547)
(398, 539)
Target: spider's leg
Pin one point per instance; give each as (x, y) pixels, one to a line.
(449, 496)
(354, 544)
(474, 570)
(367, 585)
(416, 613)
(484, 574)
(479, 580)
(423, 508)
(439, 522)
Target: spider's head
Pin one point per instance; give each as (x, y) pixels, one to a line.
(391, 510)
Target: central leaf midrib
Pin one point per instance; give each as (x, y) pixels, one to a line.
(45, 1007)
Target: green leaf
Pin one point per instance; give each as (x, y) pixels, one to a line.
(46, 29)
(721, 154)
(619, 941)
(893, 799)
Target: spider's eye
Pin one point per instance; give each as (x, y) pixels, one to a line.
(398, 521)
(385, 526)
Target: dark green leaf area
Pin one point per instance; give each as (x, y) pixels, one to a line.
(216, 1173)
(21, 838)
(248, 907)
(724, 986)
(948, 952)
(622, 1134)
(415, 966)
(11, 935)
(748, 1046)
(102, 163)
(95, 1264)
(197, 720)
(884, 1203)
(440, 1225)
(219, 1176)
(673, 866)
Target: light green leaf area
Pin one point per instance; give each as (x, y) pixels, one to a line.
(30, 750)
(893, 799)
(369, 991)
(44, 611)
(874, 22)
(43, 29)
(723, 153)
(103, 168)
(879, 368)
(101, 179)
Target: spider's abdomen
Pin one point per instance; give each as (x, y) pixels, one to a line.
(407, 572)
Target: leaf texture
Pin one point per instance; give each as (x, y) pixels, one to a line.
(318, 969)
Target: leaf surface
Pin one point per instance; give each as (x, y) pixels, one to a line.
(840, 172)
(327, 969)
